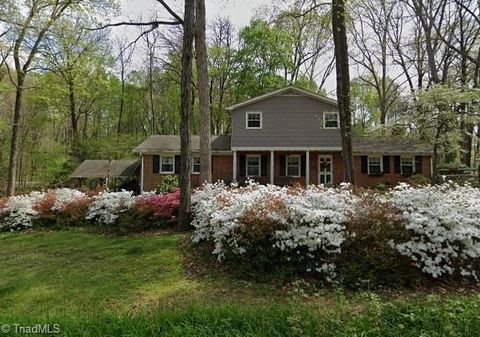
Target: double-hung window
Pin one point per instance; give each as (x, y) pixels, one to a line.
(253, 165)
(254, 120)
(374, 164)
(407, 165)
(330, 120)
(167, 164)
(293, 165)
(196, 165)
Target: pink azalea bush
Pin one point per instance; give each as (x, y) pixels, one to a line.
(158, 206)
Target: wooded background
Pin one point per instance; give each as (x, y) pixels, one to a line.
(89, 94)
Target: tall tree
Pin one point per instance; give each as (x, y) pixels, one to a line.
(186, 115)
(203, 93)
(343, 85)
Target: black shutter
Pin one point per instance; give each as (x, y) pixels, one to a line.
(364, 164)
(386, 164)
(283, 161)
(156, 164)
(243, 163)
(303, 165)
(178, 162)
(264, 165)
(396, 161)
(418, 164)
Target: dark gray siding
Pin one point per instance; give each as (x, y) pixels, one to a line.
(288, 121)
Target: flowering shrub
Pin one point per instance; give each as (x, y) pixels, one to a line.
(362, 234)
(66, 207)
(158, 206)
(445, 225)
(292, 224)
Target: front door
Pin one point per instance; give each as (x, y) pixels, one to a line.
(325, 169)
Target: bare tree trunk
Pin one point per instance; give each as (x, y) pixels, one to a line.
(73, 113)
(186, 111)
(203, 94)
(16, 131)
(343, 86)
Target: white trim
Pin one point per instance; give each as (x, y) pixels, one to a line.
(259, 164)
(375, 156)
(247, 113)
(299, 148)
(160, 171)
(234, 166)
(142, 174)
(279, 92)
(193, 164)
(299, 165)
(330, 127)
(331, 167)
(307, 168)
(272, 168)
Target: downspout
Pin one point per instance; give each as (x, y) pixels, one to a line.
(141, 173)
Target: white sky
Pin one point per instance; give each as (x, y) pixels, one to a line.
(239, 11)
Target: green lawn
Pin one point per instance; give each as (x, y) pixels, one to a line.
(94, 285)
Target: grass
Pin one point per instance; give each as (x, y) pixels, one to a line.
(95, 285)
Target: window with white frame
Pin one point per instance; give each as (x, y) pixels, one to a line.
(407, 165)
(374, 164)
(253, 166)
(330, 120)
(293, 165)
(167, 164)
(254, 120)
(196, 164)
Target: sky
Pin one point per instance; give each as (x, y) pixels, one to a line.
(239, 11)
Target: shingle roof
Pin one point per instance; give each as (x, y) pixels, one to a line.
(107, 169)
(171, 143)
(360, 144)
(363, 144)
(281, 91)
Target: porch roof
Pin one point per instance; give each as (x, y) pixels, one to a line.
(171, 143)
(107, 169)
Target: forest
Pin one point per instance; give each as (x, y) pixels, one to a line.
(71, 89)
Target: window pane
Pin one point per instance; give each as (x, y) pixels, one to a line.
(167, 164)
(253, 166)
(374, 166)
(293, 171)
(293, 165)
(254, 120)
(407, 166)
(196, 165)
(331, 120)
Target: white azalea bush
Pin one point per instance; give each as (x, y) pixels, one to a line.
(302, 227)
(363, 235)
(107, 206)
(444, 222)
(18, 212)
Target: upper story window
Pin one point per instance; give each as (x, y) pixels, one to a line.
(374, 164)
(254, 120)
(167, 164)
(196, 164)
(293, 165)
(253, 165)
(330, 120)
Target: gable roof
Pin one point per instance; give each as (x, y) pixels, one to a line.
(100, 168)
(171, 143)
(282, 91)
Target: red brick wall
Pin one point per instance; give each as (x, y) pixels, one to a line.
(221, 170)
(392, 178)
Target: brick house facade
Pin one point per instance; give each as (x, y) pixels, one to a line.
(289, 136)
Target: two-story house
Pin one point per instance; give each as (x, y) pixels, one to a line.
(284, 137)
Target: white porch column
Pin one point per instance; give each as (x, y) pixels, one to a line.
(272, 168)
(307, 169)
(142, 168)
(234, 165)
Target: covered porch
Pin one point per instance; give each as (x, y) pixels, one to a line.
(288, 167)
